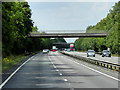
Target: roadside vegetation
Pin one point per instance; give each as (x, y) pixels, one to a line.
(16, 26)
(10, 61)
(13, 60)
(111, 25)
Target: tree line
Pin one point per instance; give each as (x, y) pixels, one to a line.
(16, 26)
(111, 25)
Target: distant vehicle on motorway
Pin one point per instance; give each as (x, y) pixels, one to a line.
(45, 51)
(106, 53)
(54, 50)
(72, 49)
(65, 49)
(91, 53)
(68, 50)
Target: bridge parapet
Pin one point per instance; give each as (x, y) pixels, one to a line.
(73, 31)
(65, 35)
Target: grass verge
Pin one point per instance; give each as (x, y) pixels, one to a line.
(116, 55)
(12, 60)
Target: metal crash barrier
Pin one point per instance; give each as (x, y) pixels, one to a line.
(115, 67)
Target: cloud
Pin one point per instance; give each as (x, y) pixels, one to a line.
(68, 15)
(100, 6)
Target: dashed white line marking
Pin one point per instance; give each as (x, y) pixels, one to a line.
(14, 73)
(38, 77)
(65, 80)
(52, 62)
(60, 74)
(54, 66)
(57, 70)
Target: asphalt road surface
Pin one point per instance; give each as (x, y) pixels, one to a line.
(54, 70)
(111, 59)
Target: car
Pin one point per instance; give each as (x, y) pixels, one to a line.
(91, 53)
(106, 53)
(54, 50)
(45, 51)
(72, 49)
(68, 50)
(65, 49)
(48, 50)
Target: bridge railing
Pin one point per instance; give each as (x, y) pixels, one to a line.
(70, 31)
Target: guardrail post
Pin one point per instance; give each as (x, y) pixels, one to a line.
(115, 67)
(110, 66)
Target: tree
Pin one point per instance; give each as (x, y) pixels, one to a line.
(111, 25)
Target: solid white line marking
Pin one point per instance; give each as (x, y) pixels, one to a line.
(65, 80)
(97, 71)
(14, 73)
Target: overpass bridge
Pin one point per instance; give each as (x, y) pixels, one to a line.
(62, 43)
(66, 35)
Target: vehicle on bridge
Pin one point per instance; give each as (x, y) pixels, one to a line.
(106, 53)
(91, 53)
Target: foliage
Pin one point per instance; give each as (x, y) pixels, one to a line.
(16, 26)
(111, 25)
(58, 40)
(11, 61)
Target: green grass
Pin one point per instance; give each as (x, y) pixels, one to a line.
(116, 55)
(10, 61)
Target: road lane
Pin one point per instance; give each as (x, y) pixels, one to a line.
(55, 70)
(79, 76)
(111, 59)
(37, 73)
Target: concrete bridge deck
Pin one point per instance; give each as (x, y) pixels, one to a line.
(66, 35)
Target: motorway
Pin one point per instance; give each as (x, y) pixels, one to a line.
(111, 59)
(54, 70)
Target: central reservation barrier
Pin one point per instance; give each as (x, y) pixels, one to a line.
(115, 67)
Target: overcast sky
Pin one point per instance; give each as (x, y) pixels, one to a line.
(68, 15)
